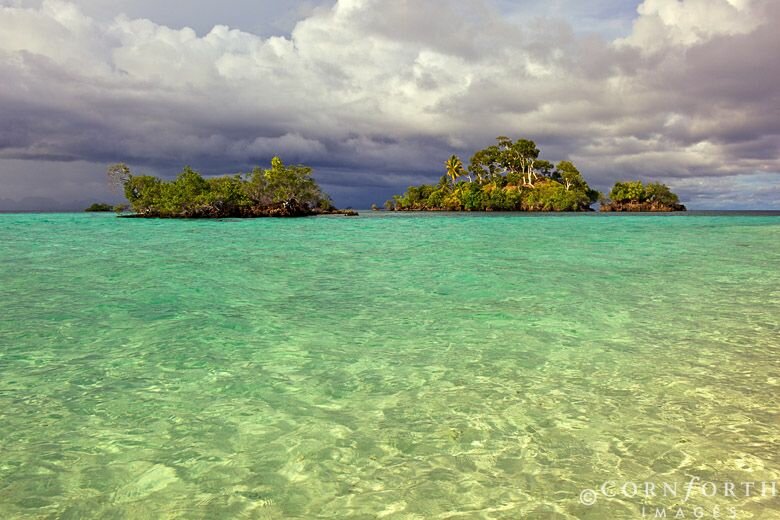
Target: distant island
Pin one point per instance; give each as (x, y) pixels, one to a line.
(510, 176)
(99, 207)
(635, 196)
(278, 191)
(507, 176)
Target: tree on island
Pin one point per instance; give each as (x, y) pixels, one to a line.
(118, 175)
(454, 168)
(278, 191)
(636, 196)
(507, 176)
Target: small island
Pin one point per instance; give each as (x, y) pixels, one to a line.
(278, 191)
(510, 176)
(99, 207)
(634, 196)
(507, 176)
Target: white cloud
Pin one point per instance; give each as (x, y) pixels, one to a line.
(671, 23)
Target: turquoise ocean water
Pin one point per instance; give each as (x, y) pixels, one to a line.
(389, 366)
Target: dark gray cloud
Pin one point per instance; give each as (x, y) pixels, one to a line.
(377, 94)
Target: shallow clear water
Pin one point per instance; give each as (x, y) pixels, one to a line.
(393, 366)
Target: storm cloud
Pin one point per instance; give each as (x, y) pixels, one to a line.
(375, 95)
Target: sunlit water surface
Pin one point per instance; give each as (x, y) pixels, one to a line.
(387, 366)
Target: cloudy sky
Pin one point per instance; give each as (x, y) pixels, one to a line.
(375, 94)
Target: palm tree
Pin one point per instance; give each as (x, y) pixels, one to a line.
(454, 168)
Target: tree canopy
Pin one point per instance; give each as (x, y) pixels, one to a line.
(280, 190)
(637, 196)
(506, 176)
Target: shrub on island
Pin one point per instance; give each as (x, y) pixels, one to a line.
(99, 207)
(634, 196)
(507, 176)
(278, 191)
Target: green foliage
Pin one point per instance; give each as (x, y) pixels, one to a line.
(568, 175)
(225, 193)
(190, 195)
(507, 176)
(435, 199)
(284, 183)
(99, 207)
(186, 193)
(144, 192)
(472, 198)
(636, 196)
(553, 196)
(454, 168)
(256, 188)
(657, 192)
(485, 164)
(632, 191)
(544, 168)
(415, 197)
(511, 158)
